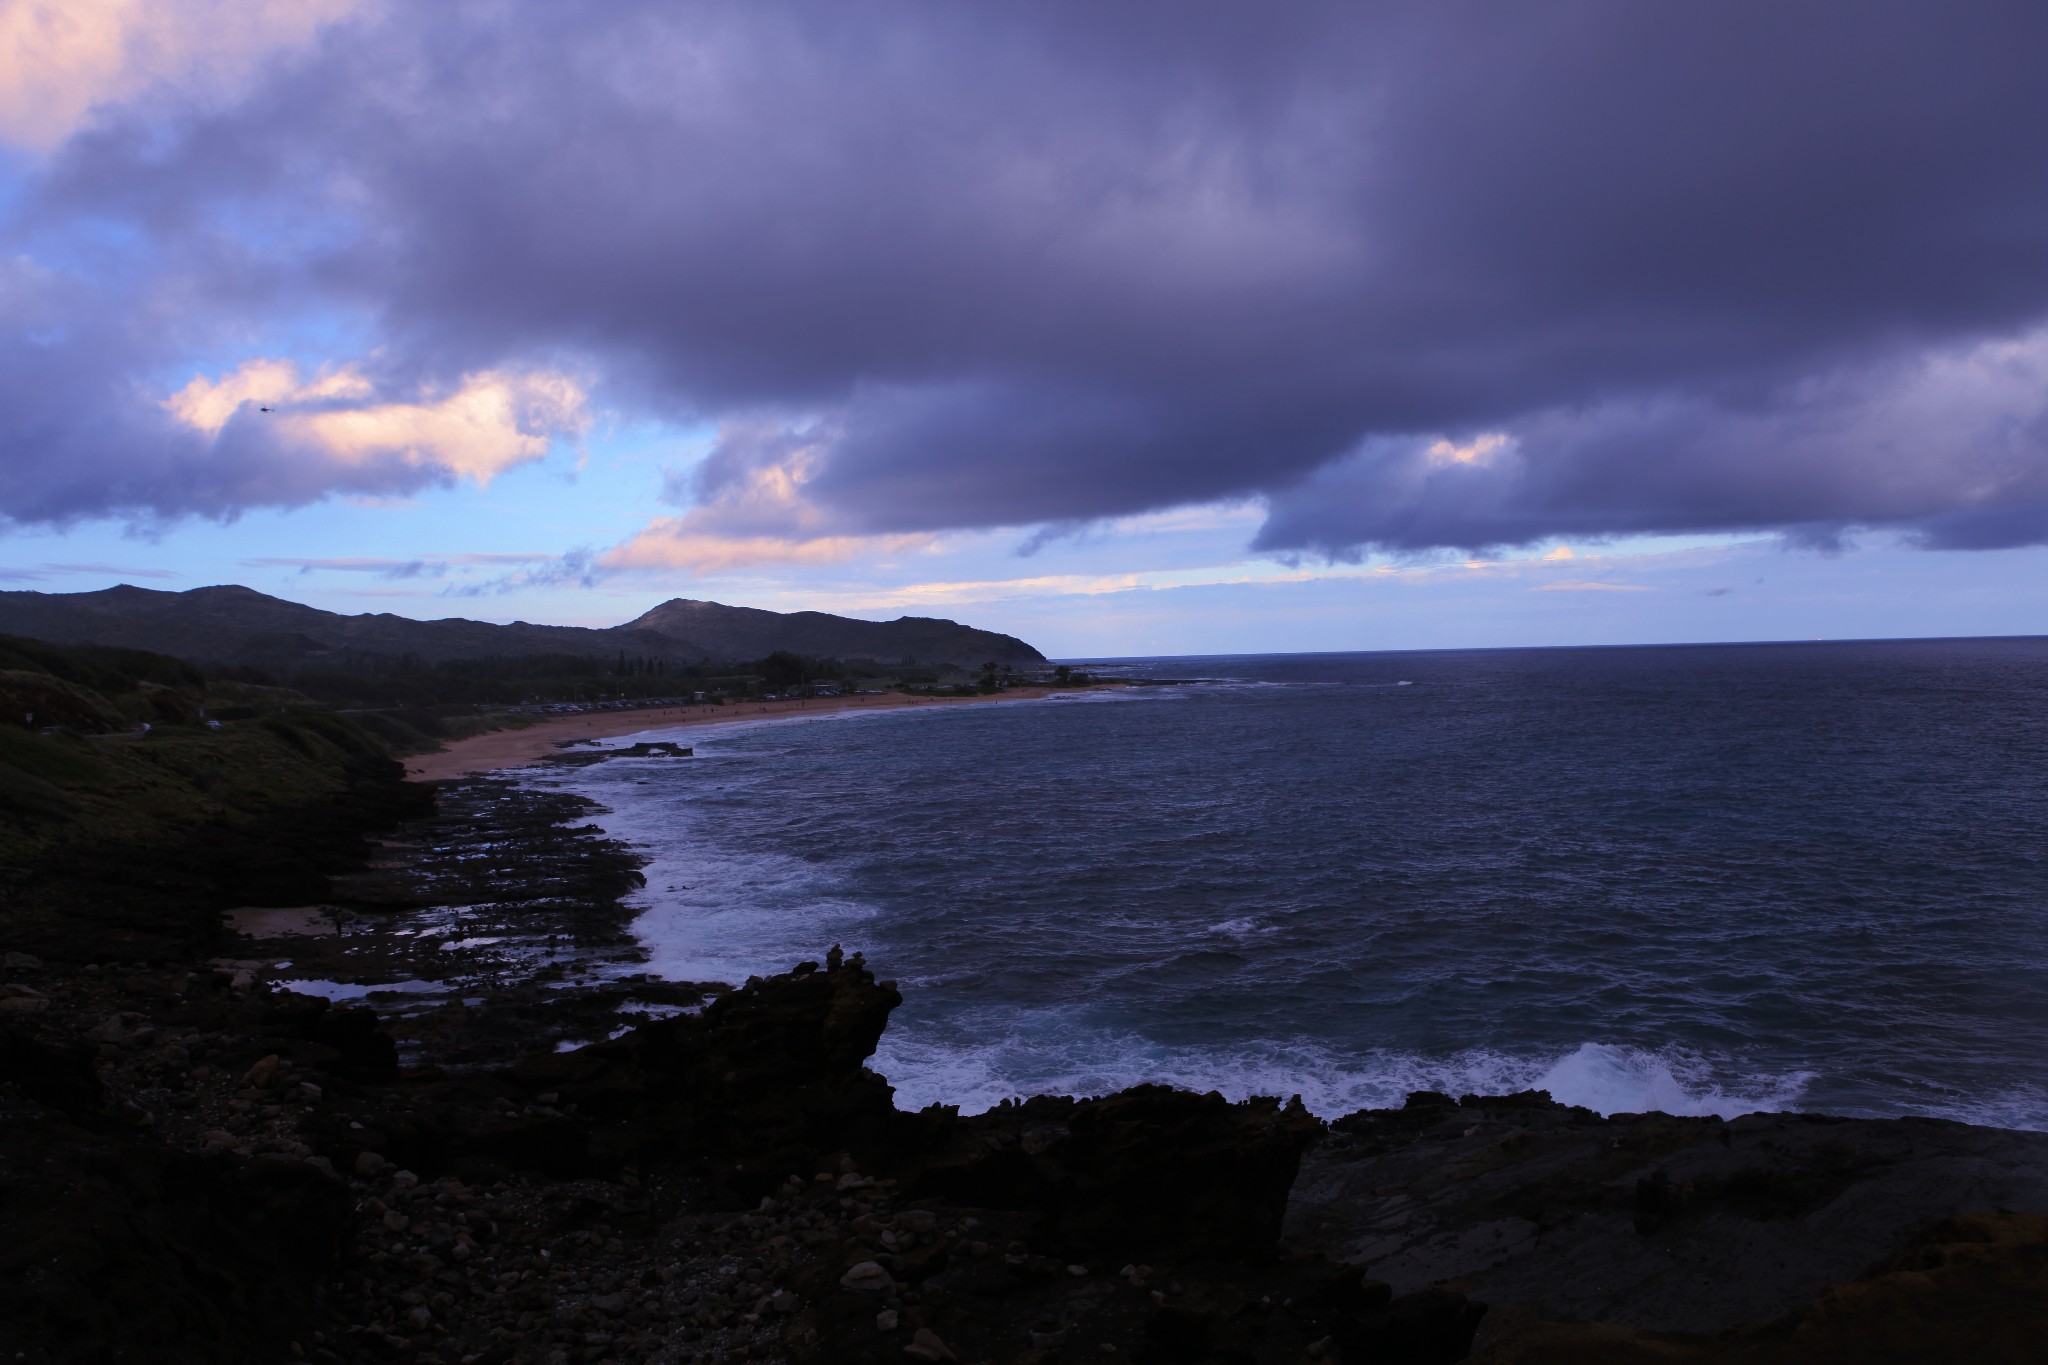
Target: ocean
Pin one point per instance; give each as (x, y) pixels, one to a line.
(1701, 879)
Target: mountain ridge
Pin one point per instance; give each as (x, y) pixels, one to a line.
(751, 632)
(232, 624)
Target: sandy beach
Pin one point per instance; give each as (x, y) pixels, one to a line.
(512, 748)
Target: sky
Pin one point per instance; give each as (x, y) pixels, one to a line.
(1160, 327)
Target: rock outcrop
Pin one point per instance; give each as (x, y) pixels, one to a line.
(1643, 1237)
(1973, 1287)
(233, 1171)
(119, 1249)
(762, 1082)
(1146, 1171)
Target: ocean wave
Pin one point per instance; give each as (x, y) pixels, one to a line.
(712, 910)
(1304, 887)
(738, 917)
(2019, 1106)
(1106, 696)
(1605, 1078)
(1245, 926)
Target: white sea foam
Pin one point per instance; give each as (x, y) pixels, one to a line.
(1625, 1080)
(655, 1009)
(1243, 927)
(2020, 1106)
(722, 903)
(736, 917)
(1605, 1078)
(1114, 696)
(355, 990)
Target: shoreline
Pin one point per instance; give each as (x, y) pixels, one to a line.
(491, 755)
(722, 1177)
(534, 1169)
(498, 749)
(539, 1166)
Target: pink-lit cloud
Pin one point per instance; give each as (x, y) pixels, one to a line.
(1413, 278)
(484, 425)
(61, 59)
(753, 510)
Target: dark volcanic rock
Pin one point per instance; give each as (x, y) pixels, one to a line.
(765, 1079)
(490, 843)
(1643, 1220)
(119, 1249)
(1148, 1169)
(1970, 1288)
(735, 1184)
(60, 1077)
(350, 1041)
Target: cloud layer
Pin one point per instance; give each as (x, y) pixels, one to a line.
(1417, 277)
(62, 59)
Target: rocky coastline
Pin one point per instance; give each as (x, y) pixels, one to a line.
(521, 1150)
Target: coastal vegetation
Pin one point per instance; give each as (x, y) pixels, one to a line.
(130, 812)
(140, 792)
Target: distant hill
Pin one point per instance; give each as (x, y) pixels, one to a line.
(749, 633)
(236, 625)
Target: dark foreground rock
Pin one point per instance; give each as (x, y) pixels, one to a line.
(1689, 1224)
(1756, 1238)
(1972, 1288)
(1149, 1171)
(762, 1081)
(119, 1248)
(730, 1184)
(198, 1165)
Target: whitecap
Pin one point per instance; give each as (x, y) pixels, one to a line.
(355, 990)
(1046, 1058)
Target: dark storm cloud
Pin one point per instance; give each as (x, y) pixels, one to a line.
(1012, 265)
(1954, 446)
(86, 369)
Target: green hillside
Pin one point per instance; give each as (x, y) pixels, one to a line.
(119, 841)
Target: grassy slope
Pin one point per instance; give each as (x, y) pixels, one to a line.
(121, 846)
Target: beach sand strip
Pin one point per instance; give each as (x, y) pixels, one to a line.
(514, 748)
